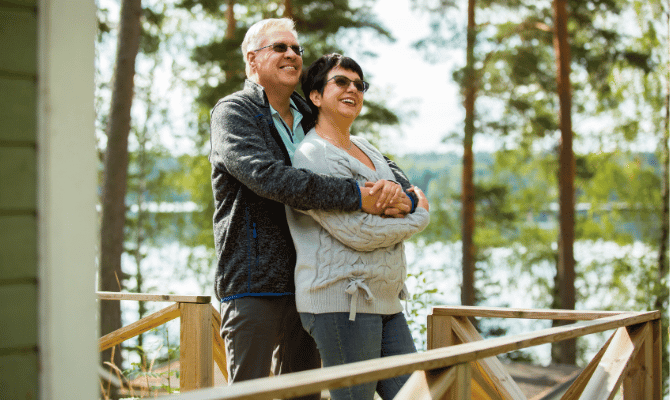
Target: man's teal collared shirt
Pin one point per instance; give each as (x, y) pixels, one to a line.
(290, 137)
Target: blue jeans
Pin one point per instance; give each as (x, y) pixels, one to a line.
(370, 336)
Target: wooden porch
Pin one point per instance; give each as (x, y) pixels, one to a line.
(458, 365)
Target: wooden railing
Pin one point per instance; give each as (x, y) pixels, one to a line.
(460, 365)
(200, 342)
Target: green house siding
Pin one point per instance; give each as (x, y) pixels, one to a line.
(18, 183)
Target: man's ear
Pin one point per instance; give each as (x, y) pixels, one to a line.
(251, 60)
(315, 96)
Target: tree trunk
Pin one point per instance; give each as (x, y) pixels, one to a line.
(230, 19)
(141, 214)
(468, 294)
(231, 25)
(288, 9)
(665, 191)
(565, 352)
(116, 168)
(662, 297)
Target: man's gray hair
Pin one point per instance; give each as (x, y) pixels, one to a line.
(257, 32)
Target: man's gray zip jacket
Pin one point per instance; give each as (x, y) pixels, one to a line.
(252, 179)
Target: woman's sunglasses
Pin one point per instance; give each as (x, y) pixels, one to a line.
(344, 82)
(283, 47)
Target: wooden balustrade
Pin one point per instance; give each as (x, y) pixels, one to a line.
(200, 343)
(461, 365)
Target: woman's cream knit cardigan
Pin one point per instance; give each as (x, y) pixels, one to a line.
(349, 261)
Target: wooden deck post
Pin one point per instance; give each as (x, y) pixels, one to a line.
(439, 332)
(463, 382)
(639, 381)
(656, 362)
(196, 354)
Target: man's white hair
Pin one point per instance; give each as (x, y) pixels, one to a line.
(257, 32)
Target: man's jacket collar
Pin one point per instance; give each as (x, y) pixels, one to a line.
(256, 93)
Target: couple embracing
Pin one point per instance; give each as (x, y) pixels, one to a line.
(309, 220)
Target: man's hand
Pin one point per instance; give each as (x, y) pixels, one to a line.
(423, 200)
(385, 198)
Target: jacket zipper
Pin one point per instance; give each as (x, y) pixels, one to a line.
(251, 233)
(255, 234)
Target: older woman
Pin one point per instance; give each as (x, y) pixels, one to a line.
(350, 267)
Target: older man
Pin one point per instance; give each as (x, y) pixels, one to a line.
(254, 133)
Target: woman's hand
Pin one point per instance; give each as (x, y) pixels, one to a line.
(389, 193)
(423, 200)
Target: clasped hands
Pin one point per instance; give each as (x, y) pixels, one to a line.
(386, 198)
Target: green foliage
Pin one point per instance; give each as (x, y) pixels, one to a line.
(624, 198)
(195, 180)
(149, 371)
(618, 198)
(421, 299)
(319, 25)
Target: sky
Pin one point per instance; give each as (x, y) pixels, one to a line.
(414, 84)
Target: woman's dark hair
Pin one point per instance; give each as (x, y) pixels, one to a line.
(315, 77)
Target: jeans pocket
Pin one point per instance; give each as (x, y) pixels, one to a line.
(307, 321)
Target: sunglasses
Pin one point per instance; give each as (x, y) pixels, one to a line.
(344, 82)
(283, 48)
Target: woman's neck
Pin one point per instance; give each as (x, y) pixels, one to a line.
(334, 132)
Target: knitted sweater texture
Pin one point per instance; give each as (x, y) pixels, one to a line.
(349, 261)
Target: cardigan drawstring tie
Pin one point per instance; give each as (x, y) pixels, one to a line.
(355, 285)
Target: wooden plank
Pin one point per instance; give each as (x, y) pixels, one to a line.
(195, 347)
(18, 111)
(20, 375)
(141, 326)
(306, 382)
(19, 41)
(439, 332)
(219, 354)
(482, 386)
(18, 174)
(219, 345)
(606, 379)
(656, 363)
(427, 385)
(153, 297)
(492, 367)
(499, 312)
(19, 316)
(463, 382)
(637, 383)
(18, 247)
(216, 318)
(575, 390)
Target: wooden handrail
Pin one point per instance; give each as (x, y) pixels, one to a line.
(153, 297)
(200, 343)
(303, 383)
(466, 368)
(498, 312)
(139, 327)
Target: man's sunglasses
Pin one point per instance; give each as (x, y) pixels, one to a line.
(283, 47)
(344, 82)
